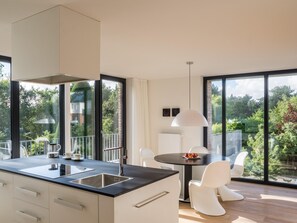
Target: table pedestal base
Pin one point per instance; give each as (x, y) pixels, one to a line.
(185, 175)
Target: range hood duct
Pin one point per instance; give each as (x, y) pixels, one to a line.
(56, 46)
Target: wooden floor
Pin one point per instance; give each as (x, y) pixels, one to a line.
(261, 204)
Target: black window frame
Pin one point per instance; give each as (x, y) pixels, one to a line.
(15, 113)
(223, 78)
(100, 115)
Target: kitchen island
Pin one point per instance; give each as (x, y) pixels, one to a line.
(149, 195)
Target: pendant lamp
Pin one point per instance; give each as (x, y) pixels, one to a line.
(189, 117)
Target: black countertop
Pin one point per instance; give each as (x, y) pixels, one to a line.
(141, 175)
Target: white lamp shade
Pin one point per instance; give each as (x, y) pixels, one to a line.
(189, 118)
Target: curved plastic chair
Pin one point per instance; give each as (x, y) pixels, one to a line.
(147, 158)
(203, 194)
(229, 195)
(198, 149)
(238, 166)
(150, 163)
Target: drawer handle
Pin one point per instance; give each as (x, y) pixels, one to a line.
(28, 192)
(28, 216)
(2, 184)
(151, 199)
(69, 204)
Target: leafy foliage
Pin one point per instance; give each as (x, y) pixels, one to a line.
(36, 104)
(246, 114)
(5, 109)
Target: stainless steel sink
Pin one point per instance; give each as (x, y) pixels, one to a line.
(101, 180)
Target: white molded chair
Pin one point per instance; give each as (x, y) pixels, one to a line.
(150, 163)
(198, 169)
(203, 194)
(237, 171)
(147, 158)
(229, 195)
(238, 167)
(198, 149)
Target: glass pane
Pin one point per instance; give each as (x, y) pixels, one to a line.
(82, 111)
(214, 116)
(39, 118)
(5, 143)
(283, 129)
(244, 123)
(112, 119)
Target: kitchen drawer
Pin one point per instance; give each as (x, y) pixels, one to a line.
(6, 196)
(147, 204)
(68, 205)
(31, 190)
(6, 182)
(28, 213)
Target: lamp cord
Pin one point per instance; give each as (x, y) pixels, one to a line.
(190, 63)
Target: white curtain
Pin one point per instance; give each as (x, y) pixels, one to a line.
(138, 134)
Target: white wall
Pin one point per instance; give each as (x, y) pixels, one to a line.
(5, 40)
(173, 93)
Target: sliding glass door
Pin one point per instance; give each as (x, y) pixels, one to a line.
(283, 128)
(112, 113)
(82, 118)
(5, 133)
(214, 114)
(244, 122)
(256, 113)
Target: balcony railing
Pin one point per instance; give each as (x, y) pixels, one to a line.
(86, 145)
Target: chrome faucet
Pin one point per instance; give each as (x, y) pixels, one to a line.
(121, 161)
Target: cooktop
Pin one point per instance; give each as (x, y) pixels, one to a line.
(56, 170)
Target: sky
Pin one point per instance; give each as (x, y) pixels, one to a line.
(255, 86)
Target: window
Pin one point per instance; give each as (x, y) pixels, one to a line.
(33, 115)
(214, 114)
(82, 120)
(112, 113)
(256, 113)
(244, 122)
(5, 133)
(282, 128)
(39, 118)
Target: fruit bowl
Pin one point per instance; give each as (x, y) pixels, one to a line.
(191, 156)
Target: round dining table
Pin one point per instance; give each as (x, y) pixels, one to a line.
(179, 159)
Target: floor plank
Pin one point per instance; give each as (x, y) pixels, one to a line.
(262, 203)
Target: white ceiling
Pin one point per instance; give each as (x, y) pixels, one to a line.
(154, 38)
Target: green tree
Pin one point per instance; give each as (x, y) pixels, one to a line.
(283, 138)
(278, 93)
(110, 109)
(36, 104)
(4, 105)
(83, 92)
(238, 107)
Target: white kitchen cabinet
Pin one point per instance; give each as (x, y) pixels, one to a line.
(26, 200)
(25, 212)
(68, 205)
(154, 203)
(6, 197)
(31, 190)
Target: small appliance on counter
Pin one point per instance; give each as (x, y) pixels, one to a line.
(53, 150)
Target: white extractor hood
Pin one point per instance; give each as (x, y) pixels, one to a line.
(56, 46)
